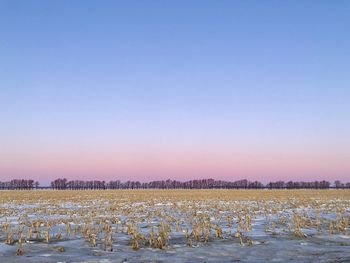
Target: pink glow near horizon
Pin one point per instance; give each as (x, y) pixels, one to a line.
(153, 165)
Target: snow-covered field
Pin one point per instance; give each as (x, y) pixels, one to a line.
(175, 226)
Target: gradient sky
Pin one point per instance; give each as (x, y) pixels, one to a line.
(175, 89)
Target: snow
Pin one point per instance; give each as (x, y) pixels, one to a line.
(276, 245)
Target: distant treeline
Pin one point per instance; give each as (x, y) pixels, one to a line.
(193, 184)
(19, 184)
(62, 184)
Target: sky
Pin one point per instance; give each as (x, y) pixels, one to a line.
(147, 90)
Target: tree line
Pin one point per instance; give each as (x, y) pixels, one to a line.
(19, 184)
(63, 183)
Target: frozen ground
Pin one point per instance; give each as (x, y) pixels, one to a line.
(275, 250)
(100, 227)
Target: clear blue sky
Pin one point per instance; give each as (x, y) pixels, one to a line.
(182, 89)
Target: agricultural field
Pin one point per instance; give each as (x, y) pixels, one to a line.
(175, 226)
